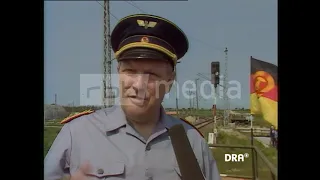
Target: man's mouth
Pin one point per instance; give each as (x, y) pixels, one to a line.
(137, 97)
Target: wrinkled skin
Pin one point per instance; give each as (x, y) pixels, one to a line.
(143, 85)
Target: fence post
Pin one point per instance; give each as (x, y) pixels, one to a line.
(273, 176)
(253, 157)
(256, 164)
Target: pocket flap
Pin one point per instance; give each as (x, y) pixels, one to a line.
(177, 170)
(107, 169)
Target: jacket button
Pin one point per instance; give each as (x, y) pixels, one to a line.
(100, 171)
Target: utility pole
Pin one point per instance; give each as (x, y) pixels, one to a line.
(55, 99)
(108, 96)
(55, 113)
(193, 104)
(190, 100)
(177, 107)
(197, 94)
(177, 92)
(225, 96)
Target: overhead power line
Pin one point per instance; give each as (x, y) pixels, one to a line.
(221, 49)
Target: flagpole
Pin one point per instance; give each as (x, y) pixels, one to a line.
(177, 92)
(250, 84)
(251, 129)
(251, 125)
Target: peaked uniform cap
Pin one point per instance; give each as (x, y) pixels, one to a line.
(148, 36)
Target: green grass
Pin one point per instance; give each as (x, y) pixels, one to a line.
(55, 122)
(240, 168)
(49, 136)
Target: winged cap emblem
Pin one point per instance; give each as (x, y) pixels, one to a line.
(146, 24)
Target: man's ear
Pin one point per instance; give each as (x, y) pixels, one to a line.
(118, 67)
(171, 81)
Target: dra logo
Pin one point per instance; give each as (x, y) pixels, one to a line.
(235, 157)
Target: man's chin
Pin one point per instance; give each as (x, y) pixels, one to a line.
(134, 106)
(134, 110)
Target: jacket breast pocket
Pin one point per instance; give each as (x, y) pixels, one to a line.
(107, 171)
(178, 172)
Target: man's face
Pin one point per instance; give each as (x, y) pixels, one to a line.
(143, 84)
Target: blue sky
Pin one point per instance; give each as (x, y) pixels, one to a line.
(73, 40)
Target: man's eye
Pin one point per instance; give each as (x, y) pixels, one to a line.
(153, 74)
(129, 71)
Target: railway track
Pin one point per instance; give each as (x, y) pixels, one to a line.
(204, 123)
(201, 124)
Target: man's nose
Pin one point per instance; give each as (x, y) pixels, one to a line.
(140, 81)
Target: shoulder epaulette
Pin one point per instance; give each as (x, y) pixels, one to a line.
(72, 117)
(192, 126)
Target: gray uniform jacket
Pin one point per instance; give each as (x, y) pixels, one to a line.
(116, 151)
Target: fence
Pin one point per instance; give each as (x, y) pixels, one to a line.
(256, 156)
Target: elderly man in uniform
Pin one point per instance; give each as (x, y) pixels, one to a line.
(131, 141)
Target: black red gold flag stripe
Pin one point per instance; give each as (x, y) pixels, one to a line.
(264, 90)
